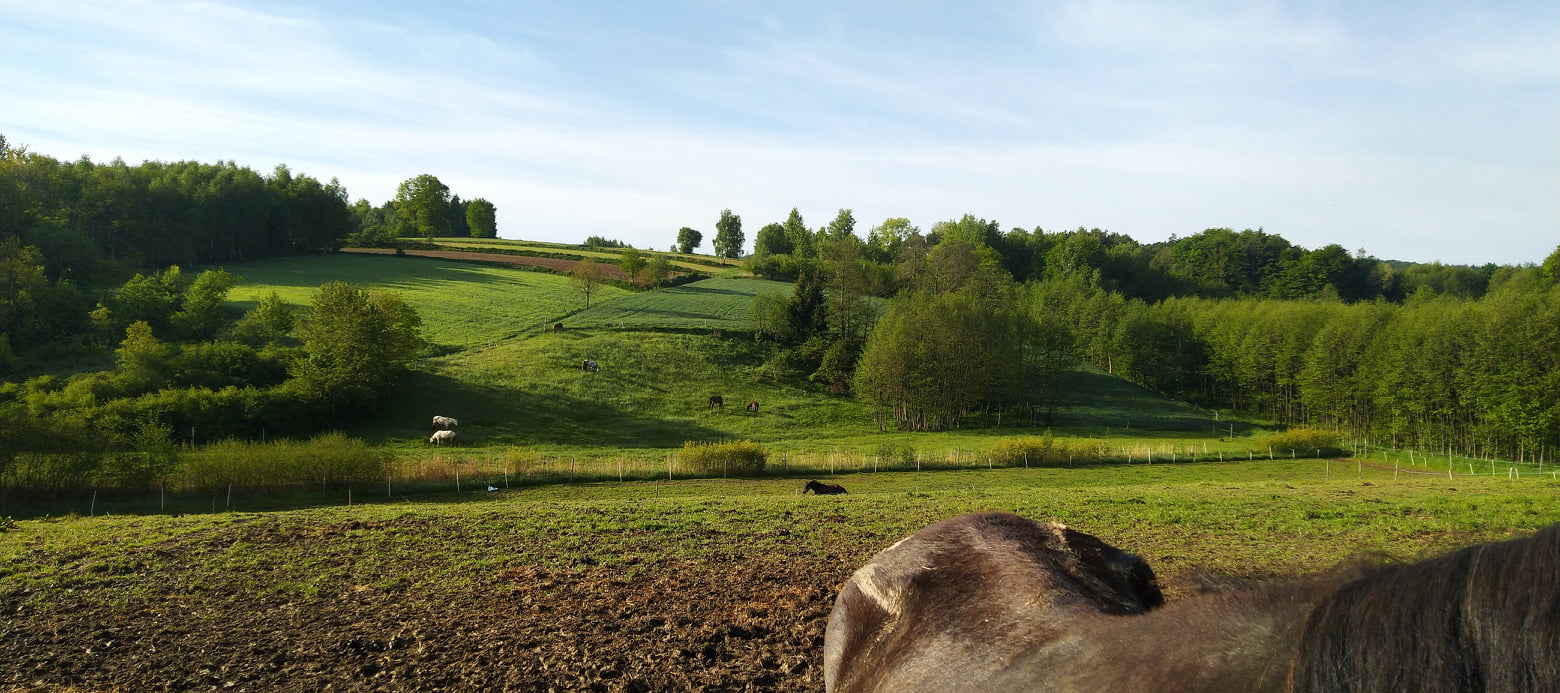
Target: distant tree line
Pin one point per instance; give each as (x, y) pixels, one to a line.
(85, 248)
(1437, 372)
(423, 207)
(1215, 263)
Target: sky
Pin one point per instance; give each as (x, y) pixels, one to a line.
(1419, 131)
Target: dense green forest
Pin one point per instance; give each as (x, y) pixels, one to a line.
(78, 240)
(1213, 263)
(980, 323)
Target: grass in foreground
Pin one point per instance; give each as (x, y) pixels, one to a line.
(1253, 519)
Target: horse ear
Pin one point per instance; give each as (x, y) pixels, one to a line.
(1116, 567)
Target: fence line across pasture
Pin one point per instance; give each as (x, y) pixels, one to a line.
(466, 472)
(527, 469)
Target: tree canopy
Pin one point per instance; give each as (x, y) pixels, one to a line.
(728, 235)
(425, 202)
(482, 218)
(688, 239)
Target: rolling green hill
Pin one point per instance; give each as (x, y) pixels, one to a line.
(718, 304)
(462, 305)
(663, 354)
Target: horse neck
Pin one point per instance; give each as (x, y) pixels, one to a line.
(1229, 641)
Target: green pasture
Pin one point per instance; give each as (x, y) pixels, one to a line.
(462, 305)
(1258, 518)
(715, 304)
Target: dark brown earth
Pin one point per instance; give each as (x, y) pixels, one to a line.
(608, 269)
(669, 626)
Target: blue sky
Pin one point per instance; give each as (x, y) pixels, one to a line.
(1418, 131)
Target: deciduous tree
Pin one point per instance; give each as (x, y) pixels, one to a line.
(688, 239)
(425, 202)
(482, 218)
(631, 262)
(586, 277)
(728, 235)
(357, 343)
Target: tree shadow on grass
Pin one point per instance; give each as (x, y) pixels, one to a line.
(1095, 400)
(493, 414)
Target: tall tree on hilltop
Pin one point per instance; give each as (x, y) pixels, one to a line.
(425, 202)
(728, 235)
(802, 242)
(482, 218)
(688, 239)
(771, 240)
(844, 224)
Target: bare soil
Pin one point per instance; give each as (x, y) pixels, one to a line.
(736, 623)
(608, 270)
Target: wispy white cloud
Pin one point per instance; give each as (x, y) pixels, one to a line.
(1142, 118)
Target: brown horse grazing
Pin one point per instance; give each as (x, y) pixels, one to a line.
(557, 327)
(753, 407)
(716, 401)
(995, 602)
(821, 489)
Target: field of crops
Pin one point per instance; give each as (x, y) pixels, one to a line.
(723, 584)
(698, 263)
(462, 305)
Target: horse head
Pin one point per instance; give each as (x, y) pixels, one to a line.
(950, 606)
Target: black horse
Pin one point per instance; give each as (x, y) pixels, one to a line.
(995, 602)
(821, 489)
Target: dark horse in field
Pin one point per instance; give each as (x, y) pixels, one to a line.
(995, 602)
(821, 489)
(717, 401)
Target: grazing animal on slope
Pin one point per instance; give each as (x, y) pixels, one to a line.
(442, 437)
(995, 602)
(716, 401)
(444, 422)
(590, 366)
(557, 327)
(821, 489)
(752, 407)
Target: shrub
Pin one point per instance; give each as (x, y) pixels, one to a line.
(1301, 440)
(334, 460)
(1034, 451)
(330, 460)
(891, 454)
(732, 457)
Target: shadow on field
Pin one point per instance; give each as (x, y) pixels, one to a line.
(1095, 400)
(504, 414)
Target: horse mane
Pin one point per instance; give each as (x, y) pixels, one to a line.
(1485, 618)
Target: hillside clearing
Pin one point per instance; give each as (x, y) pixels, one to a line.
(462, 305)
(712, 304)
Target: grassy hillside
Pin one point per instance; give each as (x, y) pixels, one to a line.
(717, 304)
(663, 354)
(462, 305)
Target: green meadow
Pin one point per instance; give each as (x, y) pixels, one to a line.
(462, 305)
